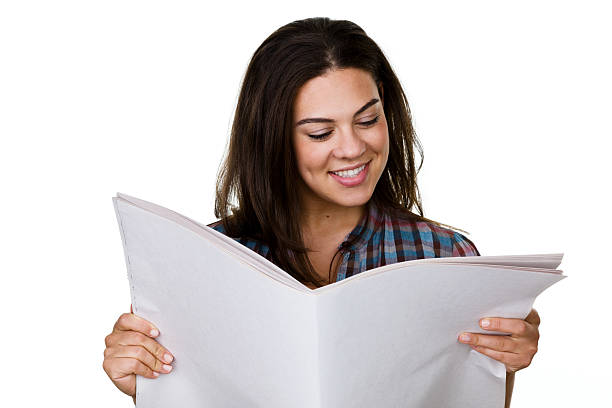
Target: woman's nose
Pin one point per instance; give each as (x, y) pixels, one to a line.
(350, 144)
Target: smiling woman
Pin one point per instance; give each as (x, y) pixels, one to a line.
(320, 178)
(322, 136)
(340, 158)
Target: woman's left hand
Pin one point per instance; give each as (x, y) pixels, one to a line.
(515, 351)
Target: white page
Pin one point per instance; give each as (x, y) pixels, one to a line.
(385, 337)
(223, 242)
(240, 339)
(536, 261)
(390, 339)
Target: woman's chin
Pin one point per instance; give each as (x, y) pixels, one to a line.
(351, 198)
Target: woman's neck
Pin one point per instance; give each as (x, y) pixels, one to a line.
(322, 219)
(323, 230)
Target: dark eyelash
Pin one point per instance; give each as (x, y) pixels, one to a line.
(368, 123)
(321, 136)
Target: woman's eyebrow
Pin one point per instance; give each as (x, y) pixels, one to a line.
(325, 120)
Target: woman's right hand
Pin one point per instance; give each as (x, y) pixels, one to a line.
(130, 350)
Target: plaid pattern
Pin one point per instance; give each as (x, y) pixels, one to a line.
(383, 238)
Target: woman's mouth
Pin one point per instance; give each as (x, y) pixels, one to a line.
(350, 173)
(353, 177)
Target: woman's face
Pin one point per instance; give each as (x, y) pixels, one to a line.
(340, 138)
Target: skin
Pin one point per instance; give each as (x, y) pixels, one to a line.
(131, 349)
(353, 138)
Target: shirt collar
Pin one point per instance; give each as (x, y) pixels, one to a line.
(363, 231)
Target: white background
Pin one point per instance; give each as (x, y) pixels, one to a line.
(511, 101)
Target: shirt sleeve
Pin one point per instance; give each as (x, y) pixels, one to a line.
(463, 246)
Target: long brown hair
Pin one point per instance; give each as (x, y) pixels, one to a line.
(256, 195)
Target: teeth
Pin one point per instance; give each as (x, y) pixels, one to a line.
(349, 173)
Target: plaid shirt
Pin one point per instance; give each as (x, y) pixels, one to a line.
(383, 238)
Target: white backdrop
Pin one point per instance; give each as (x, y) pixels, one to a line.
(511, 102)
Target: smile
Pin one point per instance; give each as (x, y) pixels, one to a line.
(350, 173)
(351, 177)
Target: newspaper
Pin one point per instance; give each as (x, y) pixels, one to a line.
(245, 333)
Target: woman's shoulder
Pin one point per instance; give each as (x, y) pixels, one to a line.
(436, 239)
(251, 243)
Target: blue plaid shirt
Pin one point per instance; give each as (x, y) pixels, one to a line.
(383, 238)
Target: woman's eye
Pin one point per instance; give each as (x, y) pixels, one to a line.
(321, 136)
(370, 122)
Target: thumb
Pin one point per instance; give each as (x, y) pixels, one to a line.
(533, 317)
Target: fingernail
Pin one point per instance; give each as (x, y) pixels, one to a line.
(465, 337)
(154, 332)
(155, 374)
(168, 358)
(485, 322)
(167, 367)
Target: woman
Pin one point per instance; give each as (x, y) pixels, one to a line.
(320, 178)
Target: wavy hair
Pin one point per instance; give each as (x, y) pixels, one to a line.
(255, 194)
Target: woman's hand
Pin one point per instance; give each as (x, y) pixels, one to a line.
(515, 351)
(130, 350)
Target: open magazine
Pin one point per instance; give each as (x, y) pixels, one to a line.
(245, 333)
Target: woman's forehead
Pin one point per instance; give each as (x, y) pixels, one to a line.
(337, 92)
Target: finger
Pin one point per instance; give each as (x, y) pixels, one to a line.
(494, 342)
(518, 327)
(133, 338)
(533, 317)
(501, 356)
(129, 321)
(123, 367)
(512, 361)
(141, 354)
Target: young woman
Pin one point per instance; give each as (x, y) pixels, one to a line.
(320, 178)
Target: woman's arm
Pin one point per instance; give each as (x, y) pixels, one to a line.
(509, 387)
